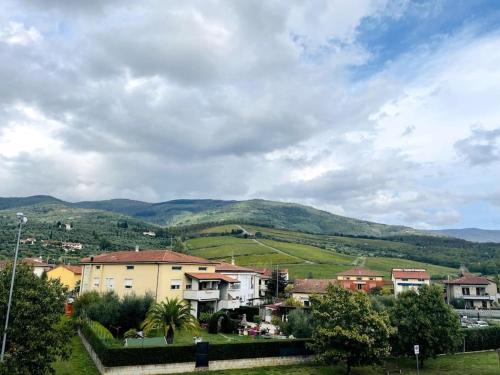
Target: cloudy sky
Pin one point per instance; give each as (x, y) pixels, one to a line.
(382, 110)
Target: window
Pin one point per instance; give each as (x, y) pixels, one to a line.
(188, 287)
(97, 267)
(372, 278)
(130, 267)
(348, 278)
(175, 284)
(405, 279)
(128, 283)
(176, 268)
(202, 268)
(480, 291)
(466, 291)
(360, 286)
(110, 283)
(359, 278)
(307, 303)
(96, 282)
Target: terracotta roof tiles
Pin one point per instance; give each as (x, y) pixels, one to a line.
(146, 256)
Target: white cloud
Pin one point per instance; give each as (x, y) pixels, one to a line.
(17, 33)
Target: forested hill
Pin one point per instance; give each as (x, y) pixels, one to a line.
(183, 212)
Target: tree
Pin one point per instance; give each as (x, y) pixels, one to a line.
(280, 279)
(347, 329)
(299, 324)
(105, 244)
(38, 334)
(169, 316)
(425, 319)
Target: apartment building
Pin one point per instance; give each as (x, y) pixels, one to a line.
(248, 291)
(404, 279)
(160, 273)
(68, 275)
(476, 291)
(360, 278)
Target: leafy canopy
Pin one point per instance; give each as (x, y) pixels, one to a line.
(425, 319)
(347, 328)
(38, 334)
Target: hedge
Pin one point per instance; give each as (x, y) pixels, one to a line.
(111, 356)
(481, 339)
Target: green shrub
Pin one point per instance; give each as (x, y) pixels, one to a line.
(257, 319)
(205, 317)
(299, 324)
(83, 302)
(130, 333)
(132, 311)
(480, 339)
(105, 311)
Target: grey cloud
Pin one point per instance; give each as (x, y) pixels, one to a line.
(481, 147)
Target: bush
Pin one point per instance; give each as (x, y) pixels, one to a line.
(227, 324)
(299, 324)
(458, 303)
(205, 317)
(481, 339)
(105, 311)
(132, 311)
(83, 302)
(257, 319)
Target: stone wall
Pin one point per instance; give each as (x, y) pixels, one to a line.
(177, 368)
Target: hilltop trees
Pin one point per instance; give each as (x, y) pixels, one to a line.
(347, 329)
(37, 334)
(425, 319)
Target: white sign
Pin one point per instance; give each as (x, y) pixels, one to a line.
(416, 348)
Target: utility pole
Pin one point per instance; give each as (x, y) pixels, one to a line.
(277, 280)
(22, 220)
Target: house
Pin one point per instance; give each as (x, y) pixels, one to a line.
(149, 233)
(265, 275)
(249, 286)
(476, 291)
(304, 288)
(160, 273)
(404, 279)
(37, 264)
(360, 278)
(28, 241)
(72, 246)
(68, 275)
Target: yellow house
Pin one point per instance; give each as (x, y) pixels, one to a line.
(162, 274)
(68, 275)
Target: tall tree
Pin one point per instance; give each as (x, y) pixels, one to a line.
(277, 277)
(347, 329)
(37, 333)
(169, 316)
(425, 319)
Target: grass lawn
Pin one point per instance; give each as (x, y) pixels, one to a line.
(79, 362)
(460, 364)
(186, 338)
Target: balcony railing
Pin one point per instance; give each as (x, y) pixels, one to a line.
(202, 295)
(229, 304)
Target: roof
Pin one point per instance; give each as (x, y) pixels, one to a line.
(267, 273)
(211, 276)
(359, 271)
(146, 256)
(469, 279)
(311, 286)
(226, 267)
(77, 270)
(410, 273)
(32, 262)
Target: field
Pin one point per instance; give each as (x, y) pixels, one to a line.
(302, 260)
(79, 362)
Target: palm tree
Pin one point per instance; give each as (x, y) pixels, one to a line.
(170, 315)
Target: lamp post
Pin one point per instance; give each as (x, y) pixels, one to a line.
(22, 220)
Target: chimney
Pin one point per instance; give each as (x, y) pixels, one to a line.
(232, 259)
(136, 248)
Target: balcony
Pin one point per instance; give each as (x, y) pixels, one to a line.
(229, 304)
(202, 295)
(483, 297)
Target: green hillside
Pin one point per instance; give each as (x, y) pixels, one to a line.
(97, 230)
(300, 259)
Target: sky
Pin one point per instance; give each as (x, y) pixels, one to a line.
(387, 111)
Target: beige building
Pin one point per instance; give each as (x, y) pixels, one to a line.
(404, 279)
(68, 275)
(160, 273)
(304, 288)
(476, 291)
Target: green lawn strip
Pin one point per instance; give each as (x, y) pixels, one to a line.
(79, 362)
(459, 364)
(266, 260)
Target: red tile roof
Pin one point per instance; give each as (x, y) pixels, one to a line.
(410, 273)
(146, 256)
(312, 286)
(77, 270)
(211, 276)
(469, 279)
(226, 267)
(266, 273)
(359, 271)
(32, 262)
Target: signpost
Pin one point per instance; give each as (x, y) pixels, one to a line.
(416, 349)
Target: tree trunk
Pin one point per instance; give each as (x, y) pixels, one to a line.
(170, 336)
(348, 369)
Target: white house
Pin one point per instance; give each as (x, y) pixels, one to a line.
(249, 279)
(476, 291)
(404, 279)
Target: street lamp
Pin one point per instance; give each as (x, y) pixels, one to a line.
(22, 220)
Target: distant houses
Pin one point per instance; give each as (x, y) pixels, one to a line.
(360, 278)
(475, 291)
(303, 289)
(36, 264)
(149, 233)
(404, 279)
